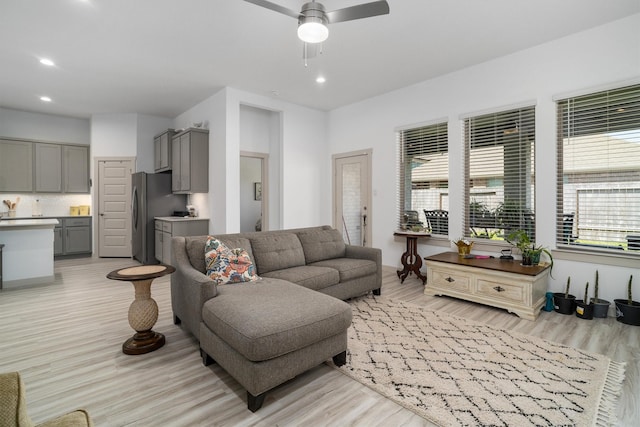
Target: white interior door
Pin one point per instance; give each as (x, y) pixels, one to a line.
(114, 207)
(352, 196)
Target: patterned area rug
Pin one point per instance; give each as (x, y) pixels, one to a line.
(454, 372)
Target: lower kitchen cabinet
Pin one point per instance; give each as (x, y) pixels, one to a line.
(73, 236)
(168, 227)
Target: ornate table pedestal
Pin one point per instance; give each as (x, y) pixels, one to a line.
(143, 312)
(410, 259)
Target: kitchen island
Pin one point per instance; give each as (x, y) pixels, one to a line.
(28, 251)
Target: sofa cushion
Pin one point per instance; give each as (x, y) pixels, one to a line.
(349, 268)
(276, 318)
(226, 265)
(195, 248)
(276, 251)
(309, 276)
(319, 245)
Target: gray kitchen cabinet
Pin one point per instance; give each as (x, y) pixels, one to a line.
(42, 167)
(58, 248)
(76, 168)
(48, 168)
(190, 161)
(73, 236)
(167, 228)
(16, 166)
(162, 151)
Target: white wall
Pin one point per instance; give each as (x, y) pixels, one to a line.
(601, 56)
(114, 135)
(304, 180)
(44, 127)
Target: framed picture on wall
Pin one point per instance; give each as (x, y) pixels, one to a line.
(257, 191)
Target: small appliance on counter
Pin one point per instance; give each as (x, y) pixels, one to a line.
(180, 214)
(193, 212)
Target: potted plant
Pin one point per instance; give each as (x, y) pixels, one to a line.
(563, 302)
(584, 310)
(628, 310)
(600, 306)
(530, 252)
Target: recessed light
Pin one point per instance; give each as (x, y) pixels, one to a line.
(320, 79)
(45, 99)
(47, 62)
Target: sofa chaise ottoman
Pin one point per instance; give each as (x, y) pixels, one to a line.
(268, 331)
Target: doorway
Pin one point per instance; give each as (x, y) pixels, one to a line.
(352, 196)
(113, 201)
(254, 192)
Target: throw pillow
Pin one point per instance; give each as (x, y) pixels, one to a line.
(226, 265)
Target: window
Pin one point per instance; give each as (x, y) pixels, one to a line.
(424, 177)
(599, 171)
(499, 194)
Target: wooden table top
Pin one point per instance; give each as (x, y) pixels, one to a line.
(141, 272)
(509, 266)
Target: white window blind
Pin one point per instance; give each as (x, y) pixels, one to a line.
(499, 194)
(599, 171)
(423, 177)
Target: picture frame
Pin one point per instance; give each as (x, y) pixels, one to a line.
(257, 191)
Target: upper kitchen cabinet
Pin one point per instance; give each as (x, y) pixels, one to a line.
(162, 151)
(190, 161)
(76, 168)
(41, 167)
(48, 168)
(16, 166)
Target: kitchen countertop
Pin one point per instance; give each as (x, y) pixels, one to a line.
(31, 218)
(181, 218)
(14, 224)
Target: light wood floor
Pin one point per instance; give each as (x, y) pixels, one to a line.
(65, 339)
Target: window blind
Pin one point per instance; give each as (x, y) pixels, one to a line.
(423, 174)
(499, 191)
(598, 206)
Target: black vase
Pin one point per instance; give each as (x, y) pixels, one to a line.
(627, 313)
(583, 310)
(564, 305)
(600, 308)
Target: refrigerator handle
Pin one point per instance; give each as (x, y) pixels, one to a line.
(134, 208)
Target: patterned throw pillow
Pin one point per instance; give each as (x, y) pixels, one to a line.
(226, 265)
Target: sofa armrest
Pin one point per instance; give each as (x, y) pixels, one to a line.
(190, 288)
(372, 254)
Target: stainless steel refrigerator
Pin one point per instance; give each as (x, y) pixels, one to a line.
(151, 197)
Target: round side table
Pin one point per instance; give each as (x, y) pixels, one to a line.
(143, 311)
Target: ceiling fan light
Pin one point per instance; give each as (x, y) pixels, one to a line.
(312, 30)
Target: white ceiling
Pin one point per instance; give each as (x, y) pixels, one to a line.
(161, 57)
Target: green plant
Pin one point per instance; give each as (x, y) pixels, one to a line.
(595, 289)
(629, 297)
(586, 294)
(566, 290)
(521, 240)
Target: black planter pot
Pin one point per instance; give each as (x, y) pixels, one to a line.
(625, 313)
(564, 305)
(600, 308)
(584, 311)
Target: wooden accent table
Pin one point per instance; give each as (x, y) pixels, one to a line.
(143, 311)
(498, 283)
(410, 259)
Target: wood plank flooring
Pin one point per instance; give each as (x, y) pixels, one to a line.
(65, 339)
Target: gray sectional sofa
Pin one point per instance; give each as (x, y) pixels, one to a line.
(266, 332)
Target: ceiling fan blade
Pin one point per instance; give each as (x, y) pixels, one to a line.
(275, 7)
(360, 11)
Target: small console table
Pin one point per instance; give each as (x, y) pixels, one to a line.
(499, 283)
(410, 259)
(143, 311)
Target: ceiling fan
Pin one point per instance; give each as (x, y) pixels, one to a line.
(313, 19)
